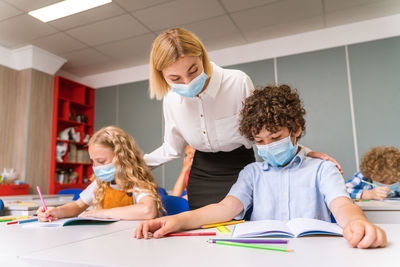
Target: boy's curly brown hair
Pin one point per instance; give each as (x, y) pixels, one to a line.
(382, 164)
(273, 106)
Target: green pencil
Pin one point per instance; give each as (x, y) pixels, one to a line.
(253, 246)
(6, 220)
(374, 185)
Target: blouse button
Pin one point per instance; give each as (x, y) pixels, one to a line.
(204, 132)
(201, 115)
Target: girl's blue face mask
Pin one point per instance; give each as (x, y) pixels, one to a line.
(191, 89)
(278, 153)
(105, 173)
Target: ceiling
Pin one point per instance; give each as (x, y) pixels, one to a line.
(119, 34)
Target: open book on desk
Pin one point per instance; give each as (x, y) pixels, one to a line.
(71, 221)
(293, 228)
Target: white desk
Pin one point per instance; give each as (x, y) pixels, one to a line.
(386, 211)
(119, 248)
(11, 208)
(17, 241)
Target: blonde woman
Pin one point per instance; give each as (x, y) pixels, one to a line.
(122, 185)
(201, 105)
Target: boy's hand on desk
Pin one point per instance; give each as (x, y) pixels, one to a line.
(159, 227)
(363, 234)
(44, 216)
(378, 193)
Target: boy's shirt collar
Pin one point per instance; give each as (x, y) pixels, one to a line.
(297, 160)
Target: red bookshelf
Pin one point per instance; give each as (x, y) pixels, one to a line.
(73, 109)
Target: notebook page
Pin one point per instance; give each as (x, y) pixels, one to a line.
(301, 225)
(66, 221)
(54, 224)
(258, 228)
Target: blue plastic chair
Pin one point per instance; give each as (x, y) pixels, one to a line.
(247, 216)
(184, 193)
(162, 191)
(174, 205)
(1, 206)
(72, 191)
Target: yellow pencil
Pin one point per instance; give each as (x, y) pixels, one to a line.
(15, 218)
(219, 224)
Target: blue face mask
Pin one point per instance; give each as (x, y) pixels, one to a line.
(191, 89)
(278, 153)
(105, 173)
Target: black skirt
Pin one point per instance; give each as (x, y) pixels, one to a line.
(213, 174)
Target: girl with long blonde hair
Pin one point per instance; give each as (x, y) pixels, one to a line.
(122, 185)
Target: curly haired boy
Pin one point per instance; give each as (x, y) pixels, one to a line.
(286, 185)
(379, 166)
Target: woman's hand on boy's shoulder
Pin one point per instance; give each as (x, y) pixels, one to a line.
(319, 155)
(157, 227)
(363, 234)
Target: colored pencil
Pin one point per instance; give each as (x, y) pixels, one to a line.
(375, 185)
(6, 220)
(219, 224)
(41, 199)
(23, 221)
(253, 246)
(251, 241)
(26, 221)
(15, 218)
(191, 234)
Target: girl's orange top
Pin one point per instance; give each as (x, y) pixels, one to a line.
(114, 198)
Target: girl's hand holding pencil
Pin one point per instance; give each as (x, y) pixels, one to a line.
(50, 214)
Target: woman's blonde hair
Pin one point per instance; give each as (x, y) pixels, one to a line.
(381, 164)
(168, 47)
(131, 173)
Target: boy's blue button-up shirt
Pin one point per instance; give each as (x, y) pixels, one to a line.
(302, 189)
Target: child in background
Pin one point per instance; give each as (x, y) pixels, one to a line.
(181, 182)
(380, 166)
(287, 185)
(122, 185)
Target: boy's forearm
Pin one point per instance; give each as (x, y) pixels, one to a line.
(223, 211)
(345, 211)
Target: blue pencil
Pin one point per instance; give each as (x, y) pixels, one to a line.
(26, 221)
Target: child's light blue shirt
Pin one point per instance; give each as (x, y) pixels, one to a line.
(302, 189)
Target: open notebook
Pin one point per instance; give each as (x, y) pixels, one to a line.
(70, 221)
(293, 228)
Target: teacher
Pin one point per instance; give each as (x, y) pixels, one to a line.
(201, 106)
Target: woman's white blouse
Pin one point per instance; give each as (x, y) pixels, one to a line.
(209, 122)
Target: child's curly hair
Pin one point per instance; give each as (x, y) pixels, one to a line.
(382, 164)
(273, 106)
(131, 169)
